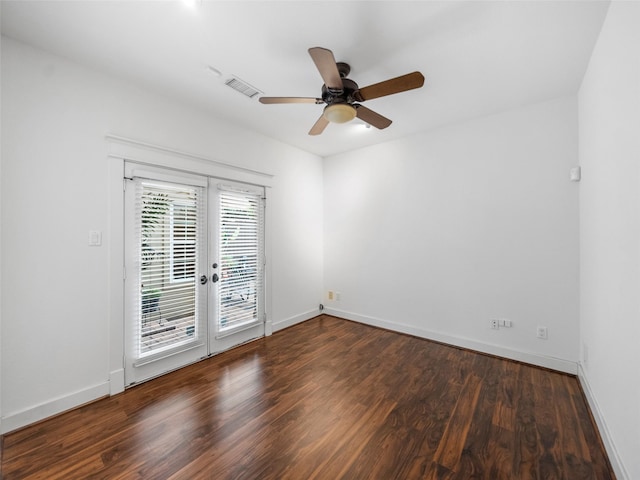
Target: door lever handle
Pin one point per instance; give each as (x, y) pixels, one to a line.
(214, 278)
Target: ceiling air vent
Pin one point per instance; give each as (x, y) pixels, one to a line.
(242, 87)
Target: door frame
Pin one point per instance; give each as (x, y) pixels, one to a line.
(121, 149)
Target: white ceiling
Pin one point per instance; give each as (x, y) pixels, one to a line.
(478, 57)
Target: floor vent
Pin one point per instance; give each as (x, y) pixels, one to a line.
(242, 87)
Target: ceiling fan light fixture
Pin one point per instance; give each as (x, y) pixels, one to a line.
(339, 113)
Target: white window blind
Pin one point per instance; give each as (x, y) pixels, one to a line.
(169, 234)
(183, 242)
(241, 253)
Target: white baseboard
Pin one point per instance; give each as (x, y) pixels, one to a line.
(288, 322)
(552, 363)
(612, 451)
(54, 407)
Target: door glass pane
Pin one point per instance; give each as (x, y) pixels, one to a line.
(168, 244)
(240, 259)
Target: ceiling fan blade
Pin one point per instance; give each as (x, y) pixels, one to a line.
(271, 100)
(371, 117)
(319, 126)
(326, 65)
(391, 86)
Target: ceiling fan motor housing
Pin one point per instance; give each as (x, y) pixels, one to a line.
(349, 87)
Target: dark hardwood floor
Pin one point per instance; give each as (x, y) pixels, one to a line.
(326, 399)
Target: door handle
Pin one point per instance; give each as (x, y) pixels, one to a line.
(203, 279)
(214, 278)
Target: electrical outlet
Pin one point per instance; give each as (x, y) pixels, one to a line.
(338, 296)
(542, 333)
(494, 324)
(505, 322)
(330, 294)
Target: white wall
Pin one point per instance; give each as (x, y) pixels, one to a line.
(437, 233)
(55, 115)
(609, 127)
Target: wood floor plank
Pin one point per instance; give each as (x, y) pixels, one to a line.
(550, 462)
(454, 438)
(600, 463)
(326, 399)
(477, 453)
(575, 451)
(526, 447)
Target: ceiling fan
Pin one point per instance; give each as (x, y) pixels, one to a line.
(341, 93)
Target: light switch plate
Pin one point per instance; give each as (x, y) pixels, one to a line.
(95, 238)
(575, 174)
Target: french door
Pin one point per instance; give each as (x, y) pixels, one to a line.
(194, 268)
